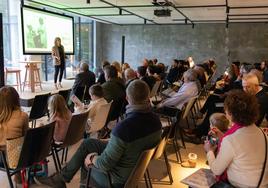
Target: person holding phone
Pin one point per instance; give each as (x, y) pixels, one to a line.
(58, 56)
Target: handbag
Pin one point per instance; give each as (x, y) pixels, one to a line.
(13, 150)
(223, 184)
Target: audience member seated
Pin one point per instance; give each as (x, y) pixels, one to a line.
(84, 78)
(161, 71)
(241, 150)
(145, 62)
(219, 124)
(251, 85)
(190, 62)
(151, 72)
(13, 121)
(200, 74)
(188, 90)
(176, 72)
(113, 88)
(101, 78)
(118, 68)
(62, 116)
(97, 100)
(141, 130)
(130, 75)
(264, 69)
(125, 66)
(244, 69)
(141, 73)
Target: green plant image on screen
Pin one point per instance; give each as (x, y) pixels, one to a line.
(40, 28)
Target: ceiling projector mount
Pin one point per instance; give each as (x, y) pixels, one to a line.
(162, 3)
(165, 12)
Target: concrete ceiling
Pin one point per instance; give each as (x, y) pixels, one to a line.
(142, 11)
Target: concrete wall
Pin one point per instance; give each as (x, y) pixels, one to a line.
(244, 42)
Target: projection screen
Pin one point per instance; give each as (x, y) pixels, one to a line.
(40, 27)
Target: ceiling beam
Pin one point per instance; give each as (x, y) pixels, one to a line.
(148, 6)
(248, 19)
(119, 7)
(110, 15)
(248, 15)
(98, 19)
(248, 7)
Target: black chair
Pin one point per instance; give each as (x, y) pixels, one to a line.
(116, 111)
(159, 151)
(35, 148)
(39, 108)
(66, 94)
(173, 117)
(79, 92)
(74, 134)
(86, 96)
(136, 175)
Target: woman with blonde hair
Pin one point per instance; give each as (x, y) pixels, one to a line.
(58, 56)
(118, 68)
(61, 115)
(13, 121)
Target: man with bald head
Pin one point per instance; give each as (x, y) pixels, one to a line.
(250, 83)
(130, 76)
(84, 78)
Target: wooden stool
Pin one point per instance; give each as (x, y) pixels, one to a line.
(37, 79)
(18, 80)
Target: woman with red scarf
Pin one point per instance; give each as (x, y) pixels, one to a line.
(241, 150)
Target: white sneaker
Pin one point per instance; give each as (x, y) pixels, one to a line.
(60, 86)
(56, 87)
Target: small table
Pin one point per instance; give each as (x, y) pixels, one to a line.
(31, 65)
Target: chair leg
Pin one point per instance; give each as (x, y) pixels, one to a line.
(187, 122)
(19, 80)
(57, 158)
(39, 79)
(62, 156)
(175, 149)
(168, 167)
(66, 153)
(88, 178)
(7, 169)
(149, 178)
(146, 180)
(25, 79)
(54, 159)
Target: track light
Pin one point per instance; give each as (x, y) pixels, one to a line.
(185, 21)
(192, 26)
(120, 11)
(88, 1)
(145, 21)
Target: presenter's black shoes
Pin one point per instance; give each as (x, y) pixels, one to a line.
(54, 181)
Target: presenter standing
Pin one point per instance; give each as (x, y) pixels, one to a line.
(58, 56)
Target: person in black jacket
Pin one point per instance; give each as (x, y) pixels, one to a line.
(84, 78)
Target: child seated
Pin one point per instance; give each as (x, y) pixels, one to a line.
(59, 113)
(219, 124)
(97, 100)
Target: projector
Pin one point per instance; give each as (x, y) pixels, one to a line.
(162, 13)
